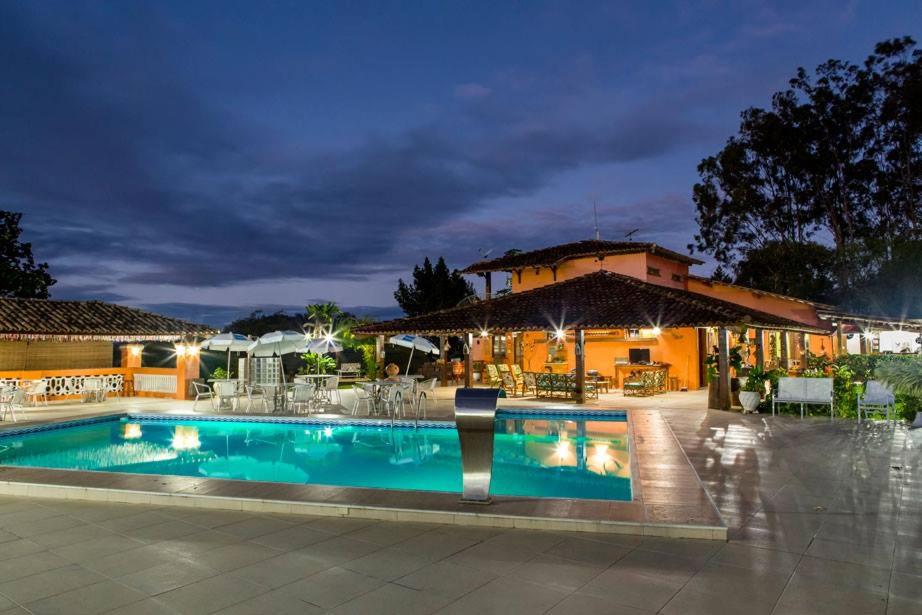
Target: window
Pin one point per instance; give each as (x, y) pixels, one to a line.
(653, 271)
(676, 277)
(499, 345)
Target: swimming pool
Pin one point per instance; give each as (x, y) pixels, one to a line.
(536, 455)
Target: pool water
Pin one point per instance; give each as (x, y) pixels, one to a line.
(564, 457)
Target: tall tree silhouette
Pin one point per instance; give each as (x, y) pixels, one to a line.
(20, 276)
(432, 288)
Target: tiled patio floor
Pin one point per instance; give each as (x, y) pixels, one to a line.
(825, 518)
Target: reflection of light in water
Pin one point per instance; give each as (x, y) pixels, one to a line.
(185, 437)
(601, 454)
(131, 431)
(328, 432)
(563, 449)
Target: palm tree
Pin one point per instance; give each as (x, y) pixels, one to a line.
(324, 315)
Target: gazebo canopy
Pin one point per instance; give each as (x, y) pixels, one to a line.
(600, 300)
(44, 319)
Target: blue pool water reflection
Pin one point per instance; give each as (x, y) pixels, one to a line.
(536, 457)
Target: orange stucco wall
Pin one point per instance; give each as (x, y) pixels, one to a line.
(634, 265)
(786, 308)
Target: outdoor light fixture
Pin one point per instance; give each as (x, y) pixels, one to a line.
(656, 331)
(484, 333)
(560, 334)
(192, 350)
(328, 338)
(180, 350)
(135, 350)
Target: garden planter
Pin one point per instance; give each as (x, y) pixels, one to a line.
(750, 401)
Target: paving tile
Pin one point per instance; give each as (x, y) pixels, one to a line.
(332, 587)
(149, 606)
(33, 563)
(446, 579)
(625, 587)
(340, 525)
(691, 602)
(756, 558)
(69, 536)
(211, 594)
(102, 546)
(280, 569)
(803, 596)
(386, 533)
(255, 526)
(136, 520)
(387, 564)
(165, 577)
(127, 562)
(674, 568)
(581, 603)
(393, 599)
(292, 538)
(879, 555)
(165, 530)
(339, 549)
(843, 574)
(27, 528)
(506, 596)
(276, 602)
(496, 558)
(558, 573)
(48, 583)
(90, 599)
(233, 556)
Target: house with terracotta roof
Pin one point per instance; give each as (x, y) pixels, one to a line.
(613, 308)
(65, 342)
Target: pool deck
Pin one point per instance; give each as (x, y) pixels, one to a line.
(824, 517)
(668, 497)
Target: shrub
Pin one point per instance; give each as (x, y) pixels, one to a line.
(904, 375)
(318, 364)
(369, 361)
(219, 373)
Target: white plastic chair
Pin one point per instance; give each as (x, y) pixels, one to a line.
(225, 392)
(16, 401)
(393, 400)
(93, 390)
(39, 390)
(256, 392)
(302, 395)
(876, 396)
(362, 396)
(331, 390)
(202, 391)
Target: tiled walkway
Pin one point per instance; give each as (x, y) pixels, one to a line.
(825, 518)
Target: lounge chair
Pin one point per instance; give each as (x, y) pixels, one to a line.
(876, 396)
(494, 381)
(803, 391)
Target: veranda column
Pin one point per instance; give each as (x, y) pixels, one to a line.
(468, 363)
(487, 285)
(760, 348)
(784, 350)
(840, 339)
(379, 355)
(443, 361)
(580, 366)
(723, 369)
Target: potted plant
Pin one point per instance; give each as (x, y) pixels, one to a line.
(751, 392)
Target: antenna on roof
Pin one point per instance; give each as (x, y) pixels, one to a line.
(484, 254)
(595, 215)
(630, 234)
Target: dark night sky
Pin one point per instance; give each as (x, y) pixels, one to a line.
(274, 154)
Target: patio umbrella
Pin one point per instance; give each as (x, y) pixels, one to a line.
(276, 344)
(414, 343)
(231, 342)
(321, 345)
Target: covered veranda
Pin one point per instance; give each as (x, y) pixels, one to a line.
(590, 321)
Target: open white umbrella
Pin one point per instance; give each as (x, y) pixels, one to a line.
(231, 342)
(321, 345)
(414, 343)
(276, 344)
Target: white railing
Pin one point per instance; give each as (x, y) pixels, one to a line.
(73, 385)
(155, 383)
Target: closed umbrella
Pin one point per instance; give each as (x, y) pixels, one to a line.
(414, 343)
(231, 342)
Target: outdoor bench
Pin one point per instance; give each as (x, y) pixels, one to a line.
(817, 391)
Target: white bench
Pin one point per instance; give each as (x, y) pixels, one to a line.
(350, 370)
(817, 391)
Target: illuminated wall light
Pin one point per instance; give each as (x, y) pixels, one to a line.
(193, 350)
(135, 350)
(656, 331)
(180, 350)
(484, 333)
(560, 334)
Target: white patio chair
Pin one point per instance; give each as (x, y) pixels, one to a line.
(93, 390)
(256, 392)
(876, 396)
(225, 392)
(331, 390)
(301, 396)
(393, 400)
(425, 389)
(362, 396)
(202, 391)
(15, 400)
(38, 390)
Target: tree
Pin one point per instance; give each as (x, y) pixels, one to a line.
(20, 276)
(894, 287)
(768, 268)
(323, 315)
(258, 323)
(836, 158)
(432, 288)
